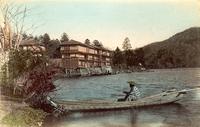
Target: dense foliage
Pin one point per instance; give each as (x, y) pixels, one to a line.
(118, 57)
(181, 50)
(20, 61)
(27, 71)
(128, 58)
(52, 46)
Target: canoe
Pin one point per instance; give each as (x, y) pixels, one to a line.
(166, 97)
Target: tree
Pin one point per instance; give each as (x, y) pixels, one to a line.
(52, 46)
(24, 36)
(30, 36)
(126, 44)
(97, 43)
(12, 24)
(165, 58)
(46, 38)
(129, 58)
(19, 62)
(139, 57)
(40, 38)
(53, 49)
(64, 37)
(21, 65)
(38, 83)
(128, 53)
(117, 57)
(87, 41)
(36, 38)
(12, 27)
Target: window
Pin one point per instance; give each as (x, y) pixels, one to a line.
(95, 64)
(107, 59)
(104, 53)
(91, 51)
(90, 57)
(79, 55)
(107, 64)
(73, 48)
(82, 49)
(81, 63)
(100, 52)
(96, 58)
(25, 48)
(62, 48)
(95, 51)
(72, 55)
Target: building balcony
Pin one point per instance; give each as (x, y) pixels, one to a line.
(82, 52)
(106, 55)
(69, 51)
(81, 58)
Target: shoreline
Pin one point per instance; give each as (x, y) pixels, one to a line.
(17, 113)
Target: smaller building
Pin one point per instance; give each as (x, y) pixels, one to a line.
(38, 49)
(32, 45)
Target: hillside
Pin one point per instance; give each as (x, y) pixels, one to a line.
(180, 50)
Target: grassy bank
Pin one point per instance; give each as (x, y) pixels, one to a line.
(24, 117)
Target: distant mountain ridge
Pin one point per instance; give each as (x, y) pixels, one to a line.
(180, 50)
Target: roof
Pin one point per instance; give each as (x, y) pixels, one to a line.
(30, 42)
(73, 42)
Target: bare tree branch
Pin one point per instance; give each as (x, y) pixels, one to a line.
(13, 24)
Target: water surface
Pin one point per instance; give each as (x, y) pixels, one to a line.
(184, 114)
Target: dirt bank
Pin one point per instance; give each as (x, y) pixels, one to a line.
(14, 112)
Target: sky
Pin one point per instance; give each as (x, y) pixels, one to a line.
(111, 21)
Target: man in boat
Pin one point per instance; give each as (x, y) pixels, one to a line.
(131, 95)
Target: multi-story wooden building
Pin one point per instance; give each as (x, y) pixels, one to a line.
(76, 54)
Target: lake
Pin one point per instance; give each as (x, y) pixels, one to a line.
(183, 114)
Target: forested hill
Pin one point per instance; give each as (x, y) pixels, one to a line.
(180, 50)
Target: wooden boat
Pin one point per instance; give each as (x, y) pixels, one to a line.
(166, 97)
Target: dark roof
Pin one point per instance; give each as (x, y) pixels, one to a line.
(73, 42)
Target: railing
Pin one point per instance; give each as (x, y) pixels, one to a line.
(69, 51)
(75, 51)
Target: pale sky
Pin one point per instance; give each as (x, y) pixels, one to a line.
(110, 21)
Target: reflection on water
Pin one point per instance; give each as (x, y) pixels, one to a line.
(197, 95)
(155, 116)
(185, 114)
